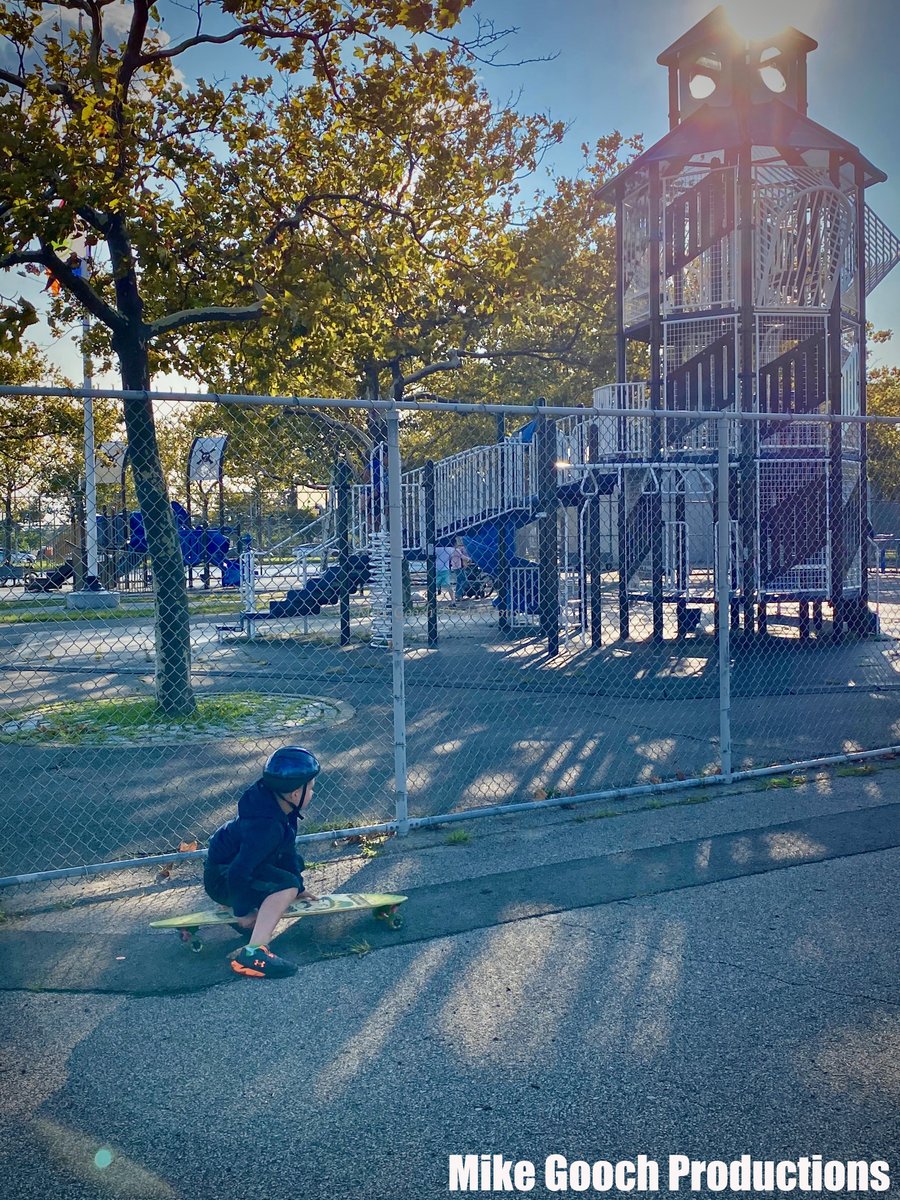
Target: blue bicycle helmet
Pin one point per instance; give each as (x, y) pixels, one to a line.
(289, 768)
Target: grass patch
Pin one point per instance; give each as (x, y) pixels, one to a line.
(127, 719)
(323, 826)
(855, 769)
(459, 837)
(601, 814)
(604, 813)
(781, 781)
(682, 803)
(55, 611)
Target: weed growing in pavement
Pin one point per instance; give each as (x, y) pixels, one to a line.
(459, 837)
(781, 781)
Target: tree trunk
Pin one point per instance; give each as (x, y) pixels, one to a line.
(173, 636)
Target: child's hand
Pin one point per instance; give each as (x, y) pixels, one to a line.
(305, 895)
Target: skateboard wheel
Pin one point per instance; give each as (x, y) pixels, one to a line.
(396, 922)
(196, 945)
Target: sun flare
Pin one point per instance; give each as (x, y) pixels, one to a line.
(762, 18)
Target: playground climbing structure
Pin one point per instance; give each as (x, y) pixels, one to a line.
(745, 250)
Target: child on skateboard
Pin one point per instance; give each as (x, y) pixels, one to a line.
(252, 864)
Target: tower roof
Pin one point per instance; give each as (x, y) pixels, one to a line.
(713, 128)
(715, 27)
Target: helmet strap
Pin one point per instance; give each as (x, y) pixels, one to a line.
(298, 808)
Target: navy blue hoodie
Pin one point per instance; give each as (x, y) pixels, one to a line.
(262, 835)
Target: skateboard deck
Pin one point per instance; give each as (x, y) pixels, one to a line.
(383, 904)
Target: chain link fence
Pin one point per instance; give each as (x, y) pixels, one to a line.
(596, 600)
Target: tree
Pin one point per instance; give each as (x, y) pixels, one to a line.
(41, 440)
(883, 400)
(509, 295)
(99, 131)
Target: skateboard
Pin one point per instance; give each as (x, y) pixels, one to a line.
(384, 906)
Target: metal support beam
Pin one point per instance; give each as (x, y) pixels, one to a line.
(342, 488)
(548, 542)
(657, 383)
(395, 533)
(594, 564)
(430, 562)
(723, 598)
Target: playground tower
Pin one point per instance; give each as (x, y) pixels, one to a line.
(745, 252)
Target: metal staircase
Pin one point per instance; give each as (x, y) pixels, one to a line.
(470, 489)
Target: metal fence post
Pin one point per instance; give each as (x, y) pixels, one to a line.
(395, 532)
(430, 564)
(723, 598)
(342, 495)
(548, 535)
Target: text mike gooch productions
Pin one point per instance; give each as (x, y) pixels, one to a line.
(677, 1173)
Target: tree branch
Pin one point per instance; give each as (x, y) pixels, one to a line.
(16, 81)
(333, 426)
(204, 316)
(131, 58)
(55, 89)
(77, 287)
(452, 363)
(305, 208)
(201, 39)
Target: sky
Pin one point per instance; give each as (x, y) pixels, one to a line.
(594, 67)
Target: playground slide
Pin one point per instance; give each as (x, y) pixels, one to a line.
(321, 590)
(53, 580)
(199, 546)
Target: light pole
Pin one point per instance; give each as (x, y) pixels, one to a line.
(91, 580)
(93, 594)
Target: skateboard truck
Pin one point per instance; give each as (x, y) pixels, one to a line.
(386, 914)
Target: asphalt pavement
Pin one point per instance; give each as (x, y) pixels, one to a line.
(712, 975)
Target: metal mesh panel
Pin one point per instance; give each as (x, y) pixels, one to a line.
(636, 249)
(792, 376)
(95, 774)
(882, 250)
(850, 438)
(852, 523)
(803, 226)
(793, 526)
(557, 607)
(700, 369)
(699, 223)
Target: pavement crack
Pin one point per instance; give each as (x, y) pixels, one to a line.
(805, 985)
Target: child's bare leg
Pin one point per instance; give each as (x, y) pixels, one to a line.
(270, 912)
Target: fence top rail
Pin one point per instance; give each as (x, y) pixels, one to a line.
(397, 406)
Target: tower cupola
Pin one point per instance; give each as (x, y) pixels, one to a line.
(712, 64)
